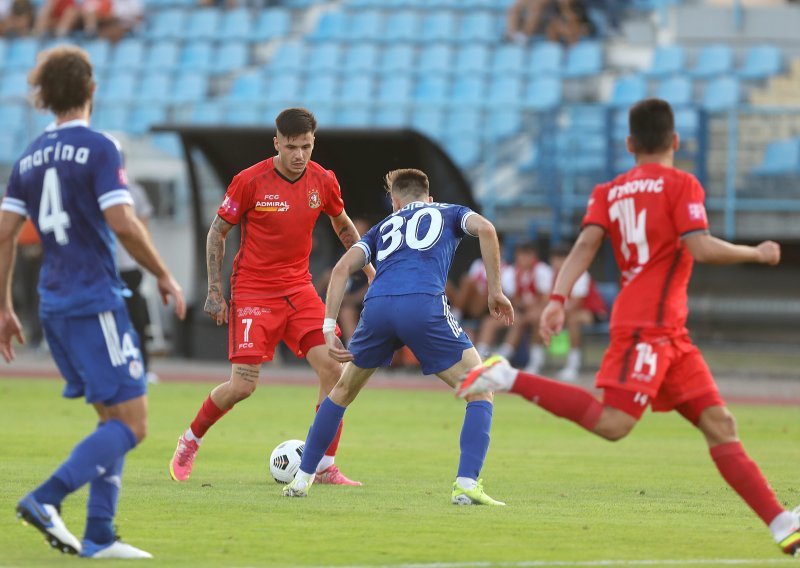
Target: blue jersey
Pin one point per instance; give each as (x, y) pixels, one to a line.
(65, 180)
(412, 249)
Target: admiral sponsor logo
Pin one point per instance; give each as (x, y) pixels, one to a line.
(636, 186)
(270, 205)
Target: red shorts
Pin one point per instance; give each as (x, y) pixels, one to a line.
(256, 326)
(666, 371)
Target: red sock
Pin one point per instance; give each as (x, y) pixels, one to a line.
(743, 475)
(566, 401)
(206, 417)
(331, 451)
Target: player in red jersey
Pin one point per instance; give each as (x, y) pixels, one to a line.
(656, 219)
(276, 203)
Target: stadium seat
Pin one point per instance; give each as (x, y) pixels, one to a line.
(361, 57)
(4, 50)
(545, 59)
(781, 157)
(469, 90)
(99, 51)
(243, 115)
(155, 87)
(438, 26)
(394, 90)
(230, 55)
(508, 59)
(505, 90)
(272, 23)
(236, 24)
(465, 152)
(162, 56)
(196, 56)
(11, 146)
(477, 27)
(761, 62)
(627, 91)
(353, 117)
(677, 91)
(119, 87)
(365, 26)
(543, 93)
(667, 60)
(144, 116)
(712, 61)
(590, 117)
(464, 121)
(397, 58)
(324, 57)
(435, 58)
(391, 117)
(472, 59)
(619, 125)
(401, 26)
(21, 54)
(429, 121)
(687, 123)
(283, 88)
(331, 26)
(584, 59)
(168, 143)
(14, 116)
(202, 24)
(206, 112)
(356, 90)
(247, 87)
(166, 24)
(432, 89)
(189, 88)
(14, 85)
(320, 88)
(502, 124)
(721, 94)
(289, 57)
(113, 117)
(128, 55)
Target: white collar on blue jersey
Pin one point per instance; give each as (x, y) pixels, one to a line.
(69, 124)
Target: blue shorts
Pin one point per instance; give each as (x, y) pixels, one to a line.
(98, 356)
(421, 321)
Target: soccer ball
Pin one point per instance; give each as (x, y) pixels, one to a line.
(284, 461)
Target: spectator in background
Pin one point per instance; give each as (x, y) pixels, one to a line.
(525, 19)
(132, 275)
(26, 278)
(57, 17)
(111, 19)
(16, 17)
(569, 22)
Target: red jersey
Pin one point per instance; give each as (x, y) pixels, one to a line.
(646, 211)
(277, 217)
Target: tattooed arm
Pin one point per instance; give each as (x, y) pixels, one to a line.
(349, 236)
(216, 307)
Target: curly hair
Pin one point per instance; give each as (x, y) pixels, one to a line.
(62, 79)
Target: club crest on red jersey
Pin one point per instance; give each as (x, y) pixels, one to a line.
(314, 200)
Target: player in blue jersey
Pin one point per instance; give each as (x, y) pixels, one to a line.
(412, 250)
(70, 181)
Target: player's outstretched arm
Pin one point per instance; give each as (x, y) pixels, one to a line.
(136, 240)
(580, 257)
(352, 261)
(216, 307)
(499, 305)
(348, 234)
(10, 226)
(711, 250)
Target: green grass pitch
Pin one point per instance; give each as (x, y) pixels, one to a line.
(572, 499)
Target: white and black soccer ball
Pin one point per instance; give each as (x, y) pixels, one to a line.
(285, 460)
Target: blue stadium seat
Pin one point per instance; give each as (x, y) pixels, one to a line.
(432, 89)
(365, 26)
(243, 115)
(397, 59)
(236, 24)
(472, 59)
(324, 57)
(202, 24)
(429, 121)
(435, 58)
(667, 60)
(506, 90)
(687, 123)
(465, 121)
(99, 51)
(162, 56)
(331, 26)
(155, 87)
(357, 90)
(168, 143)
(11, 146)
(465, 152)
(508, 59)
(196, 56)
(391, 117)
(469, 90)
(394, 90)
(119, 87)
(438, 25)
(712, 61)
(761, 62)
(230, 55)
(401, 26)
(114, 117)
(477, 27)
(167, 24)
(584, 59)
(41, 120)
(781, 157)
(543, 93)
(320, 88)
(247, 87)
(619, 125)
(502, 124)
(4, 50)
(590, 117)
(353, 117)
(22, 54)
(721, 94)
(272, 23)
(144, 116)
(677, 91)
(627, 91)
(206, 112)
(128, 54)
(545, 59)
(283, 88)
(189, 87)
(14, 85)
(581, 153)
(289, 57)
(361, 57)
(14, 116)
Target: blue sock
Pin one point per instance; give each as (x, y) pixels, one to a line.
(475, 438)
(322, 432)
(91, 458)
(102, 505)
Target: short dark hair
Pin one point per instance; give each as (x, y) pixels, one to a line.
(62, 79)
(526, 247)
(293, 122)
(407, 181)
(652, 126)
